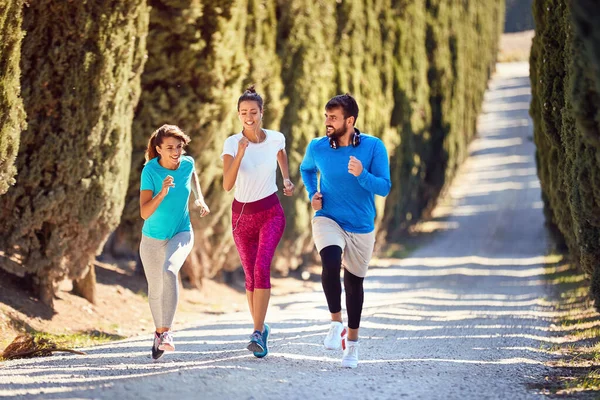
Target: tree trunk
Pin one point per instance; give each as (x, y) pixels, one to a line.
(86, 286)
(45, 292)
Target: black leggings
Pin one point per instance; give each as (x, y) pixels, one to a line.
(331, 257)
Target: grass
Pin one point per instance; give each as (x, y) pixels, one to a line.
(79, 339)
(577, 366)
(12, 327)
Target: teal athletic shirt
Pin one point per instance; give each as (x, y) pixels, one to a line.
(172, 215)
(347, 199)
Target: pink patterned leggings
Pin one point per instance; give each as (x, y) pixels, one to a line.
(257, 229)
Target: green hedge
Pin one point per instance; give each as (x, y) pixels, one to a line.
(565, 79)
(441, 74)
(12, 115)
(416, 68)
(81, 63)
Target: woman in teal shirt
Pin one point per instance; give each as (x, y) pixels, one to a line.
(168, 178)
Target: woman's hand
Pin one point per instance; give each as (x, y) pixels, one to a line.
(167, 183)
(242, 146)
(288, 187)
(204, 211)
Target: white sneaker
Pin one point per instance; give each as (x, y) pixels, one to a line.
(350, 359)
(333, 340)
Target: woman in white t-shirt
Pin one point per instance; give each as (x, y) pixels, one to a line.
(250, 161)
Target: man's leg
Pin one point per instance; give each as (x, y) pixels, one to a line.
(354, 302)
(331, 258)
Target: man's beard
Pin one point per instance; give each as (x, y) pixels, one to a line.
(336, 134)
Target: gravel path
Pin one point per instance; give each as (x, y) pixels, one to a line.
(464, 317)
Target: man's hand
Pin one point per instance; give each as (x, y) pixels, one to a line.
(205, 210)
(317, 201)
(355, 167)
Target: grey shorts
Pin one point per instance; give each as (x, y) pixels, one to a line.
(357, 247)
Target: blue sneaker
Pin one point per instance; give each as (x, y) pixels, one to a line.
(256, 343)
(265, 338)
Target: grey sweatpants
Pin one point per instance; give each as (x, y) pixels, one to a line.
(162, 260)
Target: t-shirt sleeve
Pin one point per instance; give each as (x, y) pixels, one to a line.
(146, 183)
(230, 147)
(280, 141)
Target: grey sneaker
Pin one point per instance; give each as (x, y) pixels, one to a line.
(166, 342)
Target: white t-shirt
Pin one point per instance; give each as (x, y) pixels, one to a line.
(256, 177)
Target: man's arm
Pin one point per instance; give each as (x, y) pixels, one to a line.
(378, 180)
(308, 171)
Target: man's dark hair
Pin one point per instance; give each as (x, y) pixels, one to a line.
(346, 102)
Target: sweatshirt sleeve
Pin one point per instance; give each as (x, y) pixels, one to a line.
(308, 171)
(377, 180)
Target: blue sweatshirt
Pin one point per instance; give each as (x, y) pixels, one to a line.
(347, 199)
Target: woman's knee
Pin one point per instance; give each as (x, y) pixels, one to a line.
(262, 275)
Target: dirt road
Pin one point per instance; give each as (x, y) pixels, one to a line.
(464, 317)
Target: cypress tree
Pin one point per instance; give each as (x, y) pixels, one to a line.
(306, 50)
(418, 74)
(81, 63)
(565, 79)
(193, 77)
(436, 118)
(264, 65)
(410, 116)
(364, 67)
(12, 114)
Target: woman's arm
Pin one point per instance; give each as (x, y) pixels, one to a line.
(231, 165)
(282, 160)
(198, 195)
(149, 204)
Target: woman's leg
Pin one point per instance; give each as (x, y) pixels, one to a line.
(245, 237)
(153, 255)
(270, 234)
(177, 250)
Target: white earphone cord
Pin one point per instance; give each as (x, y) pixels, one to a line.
(238, 219)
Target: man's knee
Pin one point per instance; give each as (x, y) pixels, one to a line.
(331, 257)
(353, 284)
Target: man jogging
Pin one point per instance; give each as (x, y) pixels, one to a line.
(353, 168)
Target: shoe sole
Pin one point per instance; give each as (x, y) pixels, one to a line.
(344, 365)
(255, 347)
